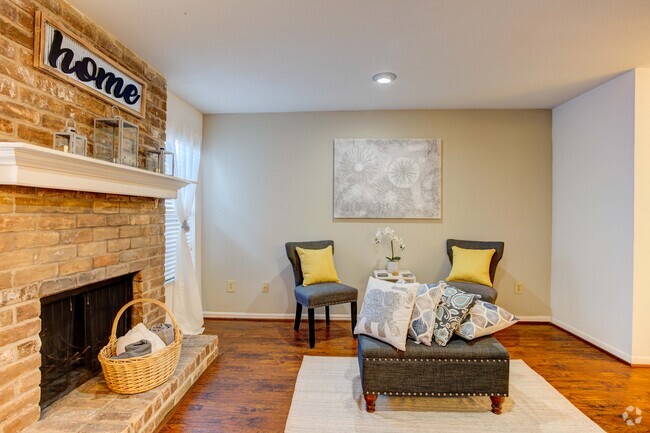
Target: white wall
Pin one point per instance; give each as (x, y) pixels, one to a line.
(641, 318)
(267, 179)
(593, 215)
(183, 113)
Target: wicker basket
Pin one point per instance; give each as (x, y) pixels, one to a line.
(140, 374)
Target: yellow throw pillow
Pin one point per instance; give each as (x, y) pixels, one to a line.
(317, 266)
(471, 266)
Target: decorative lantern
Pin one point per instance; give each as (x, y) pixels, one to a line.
(69, 140)
(116, 140)
(160, 161)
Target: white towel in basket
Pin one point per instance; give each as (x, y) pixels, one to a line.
(140, 332)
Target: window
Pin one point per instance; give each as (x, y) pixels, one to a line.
(172, 230)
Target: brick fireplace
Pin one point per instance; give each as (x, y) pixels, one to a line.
(53, 241)
(68, 221)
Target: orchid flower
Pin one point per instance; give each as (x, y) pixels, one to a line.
(389, 233)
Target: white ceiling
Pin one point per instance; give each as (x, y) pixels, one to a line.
(235, 56)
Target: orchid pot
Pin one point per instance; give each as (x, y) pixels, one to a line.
(392, 267)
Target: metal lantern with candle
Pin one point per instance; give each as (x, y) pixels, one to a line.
(160, 161)
(116, 139)
(69, 141)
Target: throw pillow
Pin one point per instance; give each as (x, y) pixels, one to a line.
(453, 308)
(472, 266)
(485, 319)
(317, 266)
(386, 312)
(424, 313)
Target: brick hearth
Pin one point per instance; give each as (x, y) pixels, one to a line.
(92, 408)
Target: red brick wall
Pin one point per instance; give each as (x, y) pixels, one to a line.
(52, 240)
(34, 104)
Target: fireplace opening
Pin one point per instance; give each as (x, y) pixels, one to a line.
(75, 325)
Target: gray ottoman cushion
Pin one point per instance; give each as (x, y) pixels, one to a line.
(488, 294)
(462, 368)
(317, 295)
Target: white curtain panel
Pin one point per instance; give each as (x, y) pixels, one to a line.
(185, 300)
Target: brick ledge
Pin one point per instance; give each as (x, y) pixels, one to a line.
(94, 408)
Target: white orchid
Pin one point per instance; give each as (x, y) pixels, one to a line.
(378, 236)
(389, 233)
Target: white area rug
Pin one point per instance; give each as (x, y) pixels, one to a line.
(328, 398)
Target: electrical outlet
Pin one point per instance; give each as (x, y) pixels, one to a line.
(231, 286)
(265, 287)
(519, 288)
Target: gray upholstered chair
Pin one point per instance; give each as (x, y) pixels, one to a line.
(318, 295)
(488, 294)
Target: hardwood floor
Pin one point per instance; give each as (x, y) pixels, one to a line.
(250, 386)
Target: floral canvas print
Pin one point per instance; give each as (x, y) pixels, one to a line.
(387, 178)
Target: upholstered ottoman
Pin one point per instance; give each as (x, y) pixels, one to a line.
(460, 369)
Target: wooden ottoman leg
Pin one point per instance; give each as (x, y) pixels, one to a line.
(370, 402)
(497, 404)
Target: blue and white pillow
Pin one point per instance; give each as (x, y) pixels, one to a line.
(451, 312)
(424, 313)
(485, 319)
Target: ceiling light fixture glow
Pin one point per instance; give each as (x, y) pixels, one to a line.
(384, 77)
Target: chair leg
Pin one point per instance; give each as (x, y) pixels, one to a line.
(353, 316)
(312, 330)
(327, 314)
(296, 323)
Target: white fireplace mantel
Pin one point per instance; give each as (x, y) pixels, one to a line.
(30, 165)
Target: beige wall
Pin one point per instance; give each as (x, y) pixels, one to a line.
(267, 179)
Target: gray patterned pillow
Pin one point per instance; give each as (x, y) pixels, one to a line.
(453, 308)
(386, 312)
(424, 312)
(485, 319)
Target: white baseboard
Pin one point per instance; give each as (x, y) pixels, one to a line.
(641, 360)
(284, 316)
(268, 316)
(542, 319)
(596, 342)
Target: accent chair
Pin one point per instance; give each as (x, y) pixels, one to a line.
(488, 294)
(318, 295)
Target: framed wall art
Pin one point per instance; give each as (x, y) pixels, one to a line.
(387, 178)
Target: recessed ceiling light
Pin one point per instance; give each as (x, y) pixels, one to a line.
(384, 77)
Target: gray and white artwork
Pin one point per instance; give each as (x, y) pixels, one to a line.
(387, 178)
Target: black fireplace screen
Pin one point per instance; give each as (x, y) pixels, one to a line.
(75, 326)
